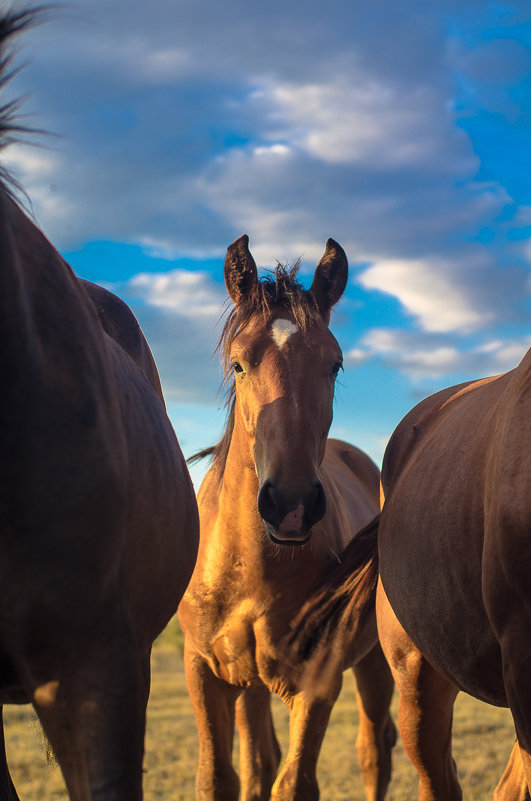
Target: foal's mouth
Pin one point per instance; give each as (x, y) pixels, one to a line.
(290, 543)
(289, 539)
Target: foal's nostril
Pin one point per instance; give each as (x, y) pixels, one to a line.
(267, 506)
(316, 505)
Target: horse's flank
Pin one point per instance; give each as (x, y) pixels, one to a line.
(453, 598)
(98, 520)
(455, 530)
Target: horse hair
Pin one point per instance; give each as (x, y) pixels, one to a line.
(11, 129)
(341, 601)
(279, 289)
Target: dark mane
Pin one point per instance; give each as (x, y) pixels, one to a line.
(11, 129)
(279, 289)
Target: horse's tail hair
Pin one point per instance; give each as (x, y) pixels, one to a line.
(342, 601)
(12, 22)
(196, 457)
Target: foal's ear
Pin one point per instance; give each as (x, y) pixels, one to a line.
(240, 269)
(330, 278)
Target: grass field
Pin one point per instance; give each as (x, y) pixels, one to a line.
(483, 737)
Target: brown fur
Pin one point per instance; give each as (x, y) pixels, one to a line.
(341, 601)
(453, 600)
(454, 530)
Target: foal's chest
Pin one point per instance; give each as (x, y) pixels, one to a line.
(242, 650)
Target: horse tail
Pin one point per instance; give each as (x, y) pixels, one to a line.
(341, 603)
(12, 129)
(196, 457)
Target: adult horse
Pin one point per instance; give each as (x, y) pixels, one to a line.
(454, 599)
(98, 520)
(278, 503)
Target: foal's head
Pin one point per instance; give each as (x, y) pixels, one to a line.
(285, 361)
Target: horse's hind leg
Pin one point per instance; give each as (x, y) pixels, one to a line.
(7, 788)
(425, 708)
(259, 749)
(376, 734)
(513, 785)
(516, 660)
(94, 716)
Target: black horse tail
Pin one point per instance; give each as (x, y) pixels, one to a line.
(13, 22)
(341, 603)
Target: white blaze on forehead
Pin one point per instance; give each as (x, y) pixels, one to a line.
(281, 330)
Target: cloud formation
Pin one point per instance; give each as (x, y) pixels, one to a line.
(180, 312)
(420, 357)
(183, 125)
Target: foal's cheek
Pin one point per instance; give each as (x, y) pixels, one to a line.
(248, 410)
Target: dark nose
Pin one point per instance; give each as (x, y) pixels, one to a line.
(290, 520)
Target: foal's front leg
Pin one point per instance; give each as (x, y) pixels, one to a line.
(308, 721)
(259, 749)
(214, 702)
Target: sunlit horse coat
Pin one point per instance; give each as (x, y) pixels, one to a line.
(277, 505)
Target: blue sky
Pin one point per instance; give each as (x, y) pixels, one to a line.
(401, 129)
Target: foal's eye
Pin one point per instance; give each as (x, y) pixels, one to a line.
(336, 368)
(236, 366)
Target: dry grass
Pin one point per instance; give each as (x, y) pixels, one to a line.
(483, 738)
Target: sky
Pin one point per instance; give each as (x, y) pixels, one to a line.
(400, 129)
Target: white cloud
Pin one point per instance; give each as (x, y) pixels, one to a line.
(421, 356)
(272, 150)
(25, 161)
(185, 126)
(428, 290)
(179, 312)
(190, 294)
(358, 120)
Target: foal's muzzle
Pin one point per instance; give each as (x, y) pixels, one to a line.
(289, 520)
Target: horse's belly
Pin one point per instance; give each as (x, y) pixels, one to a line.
(434, 587)
(11, 690)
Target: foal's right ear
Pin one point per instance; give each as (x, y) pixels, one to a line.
(330, 278)
(241, 274)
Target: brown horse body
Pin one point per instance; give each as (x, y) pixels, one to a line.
(454, 600)
(98, 520)
(275, 481)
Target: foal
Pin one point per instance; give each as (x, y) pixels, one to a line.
(278, 503)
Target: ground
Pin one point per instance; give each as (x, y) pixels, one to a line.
(483, 738)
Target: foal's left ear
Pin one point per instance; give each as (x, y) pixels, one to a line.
(330, 278)
(241, 274)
